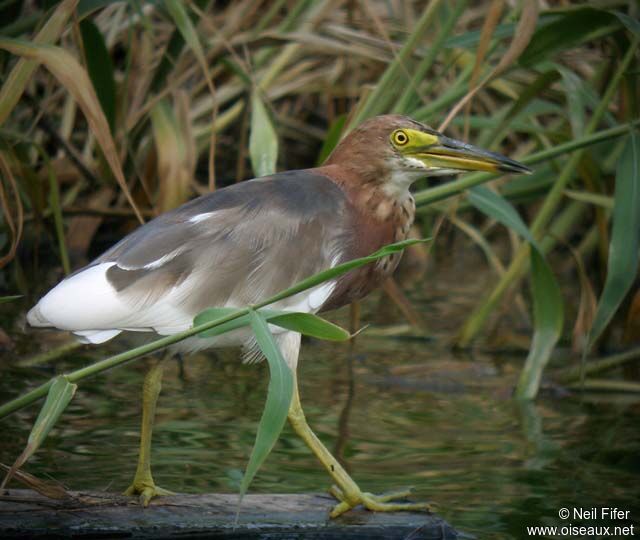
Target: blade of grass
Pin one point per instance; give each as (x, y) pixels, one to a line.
(573, 86)
(624, 249)
(478, 317)
(185, 26)
(13, 222)
(172, 52)
(488, 27)
(332, 138)
(49, 489)
(633, 25)
(307, 324)
(596, 365)
(263, 141)
(276, 407)
(71, 75)
(586, 305)
(591, 198)
(380, 98)
(569, 30)
(469, 40)
(214, 314)
(523, 34)
(87, 7)
(174, 168)
(60, 394)
(530, 92)
(100, 68)
(56, 210)
(548, 318)
(404, 104)
(548, 310)
(16, 82)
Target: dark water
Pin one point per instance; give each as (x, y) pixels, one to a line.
(416, 415)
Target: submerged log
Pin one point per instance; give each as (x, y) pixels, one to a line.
(95, 515)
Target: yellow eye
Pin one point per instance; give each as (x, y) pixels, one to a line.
(399, 137)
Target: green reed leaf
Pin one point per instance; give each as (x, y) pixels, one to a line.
(188, 31)
(624, 248)
(213, 314)
(307, 324)
(278, 399)
(591, 198)
(548, 309)
(633, 25)
(13, 86)
(56, 209)
(74, 78)
(87, 7)
(497, 207)
(380, 99)
(100, 68)
(575, 99)
(548, 320)
(332, 138)
(60, 394)
(569, 30)
(263, 141)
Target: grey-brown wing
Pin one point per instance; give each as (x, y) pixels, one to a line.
(236, 246)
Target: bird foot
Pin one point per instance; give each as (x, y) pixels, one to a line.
(375, 503)
(146, 490)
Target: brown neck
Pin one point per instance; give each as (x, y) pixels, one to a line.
(386, 218)
(354, 156)
(368, 196)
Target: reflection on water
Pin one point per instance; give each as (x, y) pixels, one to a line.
(417, 415)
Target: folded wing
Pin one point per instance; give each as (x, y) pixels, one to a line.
(234, 247)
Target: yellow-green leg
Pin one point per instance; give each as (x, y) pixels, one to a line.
(345, 490)
(143, 484)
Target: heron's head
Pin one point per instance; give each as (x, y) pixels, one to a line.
(396, 150)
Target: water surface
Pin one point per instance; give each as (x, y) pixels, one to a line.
(398, 411)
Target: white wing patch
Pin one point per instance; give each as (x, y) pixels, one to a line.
(85, 301)
(162, 260)
(319, 295)
(89, 306)
(201, 217)
(96, 336)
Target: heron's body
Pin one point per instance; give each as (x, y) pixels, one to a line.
(245, 243)
(233, 247)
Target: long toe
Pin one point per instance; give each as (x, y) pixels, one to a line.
(382, 503)
(386, 502)
(146, 492)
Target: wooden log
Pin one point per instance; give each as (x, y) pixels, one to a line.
(26, 514)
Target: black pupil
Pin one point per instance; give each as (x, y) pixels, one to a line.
(402, 138)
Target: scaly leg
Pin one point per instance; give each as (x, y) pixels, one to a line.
(345, 490)
(143, 484)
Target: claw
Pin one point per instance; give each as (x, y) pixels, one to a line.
(375, 503)
(146, 491)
